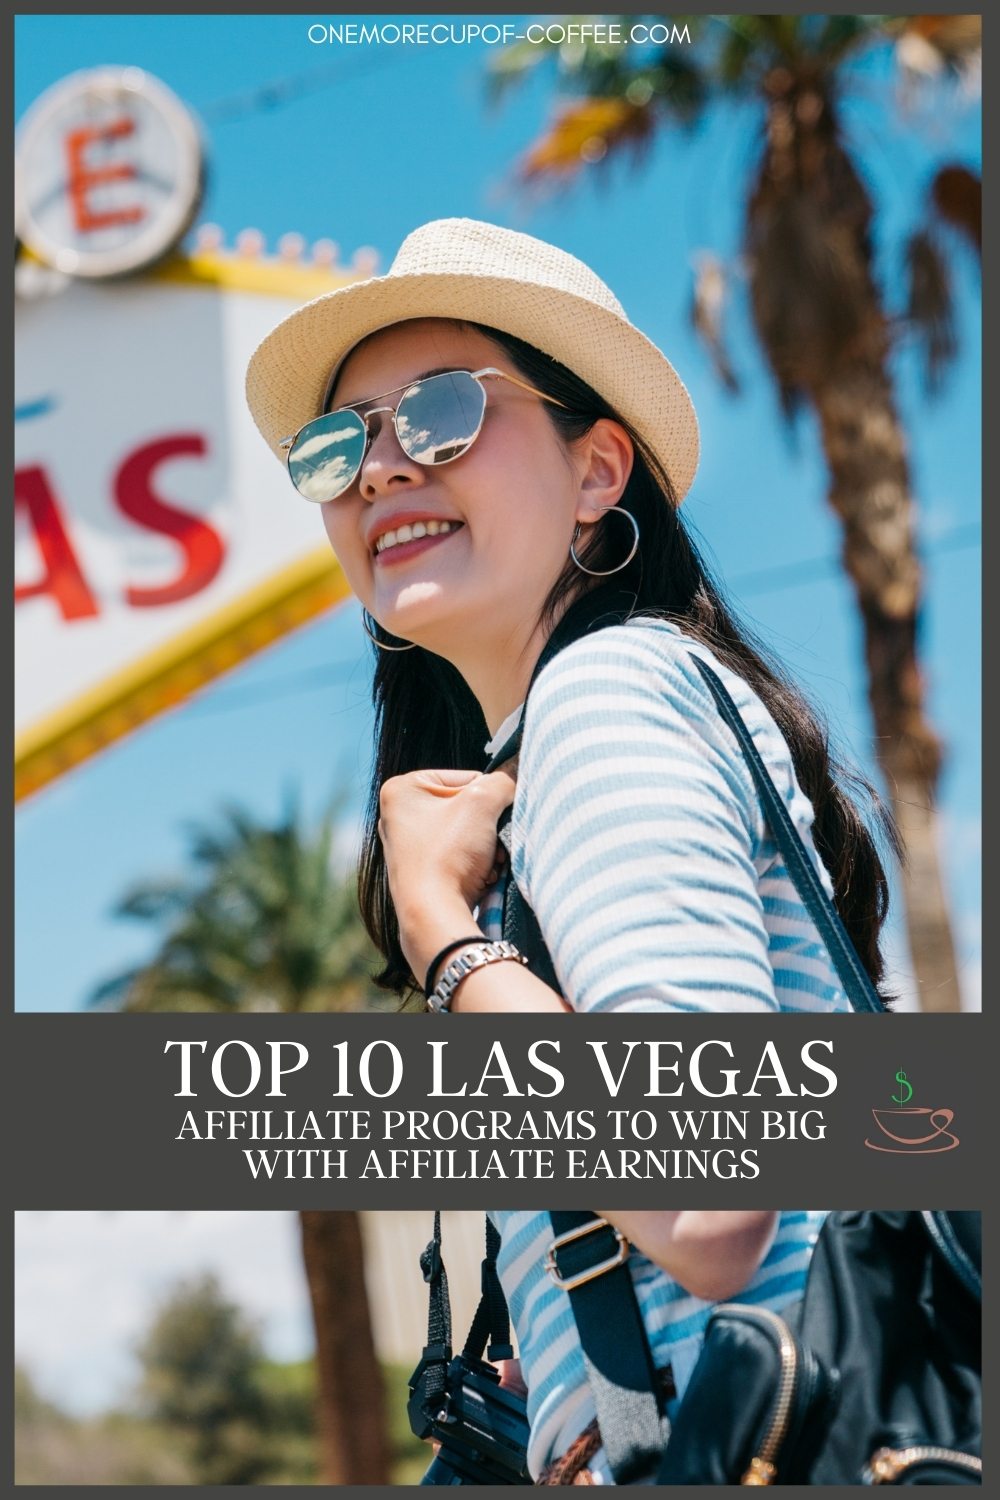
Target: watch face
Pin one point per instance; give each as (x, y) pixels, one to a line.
(109, 173)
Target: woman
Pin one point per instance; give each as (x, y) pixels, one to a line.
(503, 455)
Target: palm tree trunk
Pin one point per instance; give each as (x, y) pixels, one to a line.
(870, 492)
(818, 312)
(352, 1420)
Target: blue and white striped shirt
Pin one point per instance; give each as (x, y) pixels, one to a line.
(639, 842)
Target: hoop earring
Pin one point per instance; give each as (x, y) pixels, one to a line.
(605, 572)
(365, 617)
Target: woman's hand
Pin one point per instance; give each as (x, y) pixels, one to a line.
(439, 834)
(511, 1378)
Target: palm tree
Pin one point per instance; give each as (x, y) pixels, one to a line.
(822, 322)
(267, 923)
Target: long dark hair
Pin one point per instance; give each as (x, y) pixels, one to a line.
(426, 715)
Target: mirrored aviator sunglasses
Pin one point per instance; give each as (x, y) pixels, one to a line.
(436, 420)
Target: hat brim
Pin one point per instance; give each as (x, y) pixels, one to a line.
(289, 372)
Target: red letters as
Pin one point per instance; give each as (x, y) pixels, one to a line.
(202, 546)
(63, 578)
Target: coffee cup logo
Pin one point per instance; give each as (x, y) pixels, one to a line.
(914, 1129)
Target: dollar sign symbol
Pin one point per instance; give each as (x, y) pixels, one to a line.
(904, 1083)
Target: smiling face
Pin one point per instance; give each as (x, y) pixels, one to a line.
(496, 522)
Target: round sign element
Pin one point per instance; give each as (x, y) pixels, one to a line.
(109, 172)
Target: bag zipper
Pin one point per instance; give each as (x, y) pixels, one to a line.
(763, 1469)
(887, 1464)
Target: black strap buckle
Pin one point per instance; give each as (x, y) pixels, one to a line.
(587, 1273)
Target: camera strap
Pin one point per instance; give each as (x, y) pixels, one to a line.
(490, 1328)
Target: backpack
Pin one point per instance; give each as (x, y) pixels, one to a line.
(875, 1377)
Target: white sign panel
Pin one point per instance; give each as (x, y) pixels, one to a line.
(145, 500)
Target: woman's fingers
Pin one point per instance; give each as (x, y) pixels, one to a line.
(439, 831)
(447, 780)
(496, 786)
(494, 792)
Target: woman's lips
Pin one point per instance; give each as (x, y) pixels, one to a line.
(403, 551)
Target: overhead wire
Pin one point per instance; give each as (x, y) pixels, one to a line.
(278, 92)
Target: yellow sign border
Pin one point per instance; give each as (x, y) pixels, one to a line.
(169, 674)
(165, 677)
(243, 273)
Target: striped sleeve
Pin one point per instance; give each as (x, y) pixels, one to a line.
(636, 827)
(560, 1400)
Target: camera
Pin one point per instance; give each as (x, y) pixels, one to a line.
(482, 1428)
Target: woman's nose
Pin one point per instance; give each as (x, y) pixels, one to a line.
(386, 466)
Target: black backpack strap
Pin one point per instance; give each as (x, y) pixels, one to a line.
(588, 1259)
(850, 970)
(520, 925)
(602, 607)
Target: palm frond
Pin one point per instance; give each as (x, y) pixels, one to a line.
(152, 900)
(707, 304)
(953, 38)
(267, 921)
(957, 195)
(930, 305)
(840, 35)
(585, 133)
(512, 64)
(738, 52)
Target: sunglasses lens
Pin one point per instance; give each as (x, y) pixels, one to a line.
(327, 455)
(439, 418)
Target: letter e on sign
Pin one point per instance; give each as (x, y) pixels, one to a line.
(83, 178)
(109, 173)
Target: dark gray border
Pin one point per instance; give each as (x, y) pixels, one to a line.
(985, 1025)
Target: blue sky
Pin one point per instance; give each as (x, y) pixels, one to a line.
(87, 1284)
(360, 144)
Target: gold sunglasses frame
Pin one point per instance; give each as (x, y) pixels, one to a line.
(489, 372)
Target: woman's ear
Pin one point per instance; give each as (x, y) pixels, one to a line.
(608, 453)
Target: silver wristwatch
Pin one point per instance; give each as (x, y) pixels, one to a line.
(476, 956)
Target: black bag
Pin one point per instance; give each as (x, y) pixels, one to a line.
(873, 1378)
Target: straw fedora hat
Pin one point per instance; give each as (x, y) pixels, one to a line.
(477, 272)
